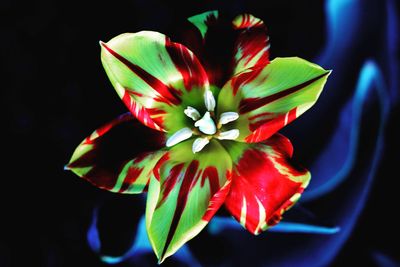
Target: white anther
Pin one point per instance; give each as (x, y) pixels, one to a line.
(179, 136)
(229, 135)
(209, 100)
(199, 144)
(192, 113)
(228, 117)
(206, 124)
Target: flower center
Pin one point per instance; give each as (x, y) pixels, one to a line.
(205, 127)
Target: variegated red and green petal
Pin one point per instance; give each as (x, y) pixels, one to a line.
(265, 183)
(269, 98)
(119, 156)
(184, 193)
(252, 43)
(156, 78)
(202, 35)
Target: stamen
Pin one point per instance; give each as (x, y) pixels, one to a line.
(209, 100)
(229, 135)
(192, 113)
(179, 136)
(199, 144)
(227, 117)
(206, 124)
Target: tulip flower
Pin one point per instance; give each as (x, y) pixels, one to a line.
(204, 141)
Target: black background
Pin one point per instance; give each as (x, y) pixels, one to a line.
(55, 92)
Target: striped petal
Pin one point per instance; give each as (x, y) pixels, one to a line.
(155, 77)
(184, 193)
(264, 182)
(202, 35)
(252, 43)
(113, 157)
(244, 43)
(269, 98)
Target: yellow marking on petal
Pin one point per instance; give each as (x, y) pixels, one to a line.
(295, 198)
(273, 155)
(243, 213)
(242, 62)
(261, 217)
(286, 118)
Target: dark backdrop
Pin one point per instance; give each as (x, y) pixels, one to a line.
(55, 92)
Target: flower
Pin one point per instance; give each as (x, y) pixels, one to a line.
(205, 138)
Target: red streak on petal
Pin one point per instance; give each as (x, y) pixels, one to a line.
(218, 198)
(266, 114)
(104, 129)
(211, 174)
(159, 164)
(167, 94)
(170, 182)
(130, 178)
(246, 77)
(255, 125)
(252, 42)
(139, 111)
(250, 104)
(263, 129)
(141, 157)
(182, 200)
(187, 64)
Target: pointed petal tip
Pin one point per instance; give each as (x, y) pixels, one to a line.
(101, 43)
(66, 167)
(161, 259)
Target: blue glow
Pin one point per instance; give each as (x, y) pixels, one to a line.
(370, 79)
(140, 245)
(219, 224)
(383, 260)
(392, 41)
(92, 233)
(344, 143)
(343, 20)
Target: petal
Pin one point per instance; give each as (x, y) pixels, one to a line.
(203, 21)
(156, 78)
(244, 43)
(202, 35)
(184, 193)
(264, 182)
(252, 43)
(269, 98)
(114, 156)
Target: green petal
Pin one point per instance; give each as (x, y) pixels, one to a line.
(201, 20)
(184, 193)
(155, 77)
(269, 98)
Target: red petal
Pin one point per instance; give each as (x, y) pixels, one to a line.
(264, 183)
